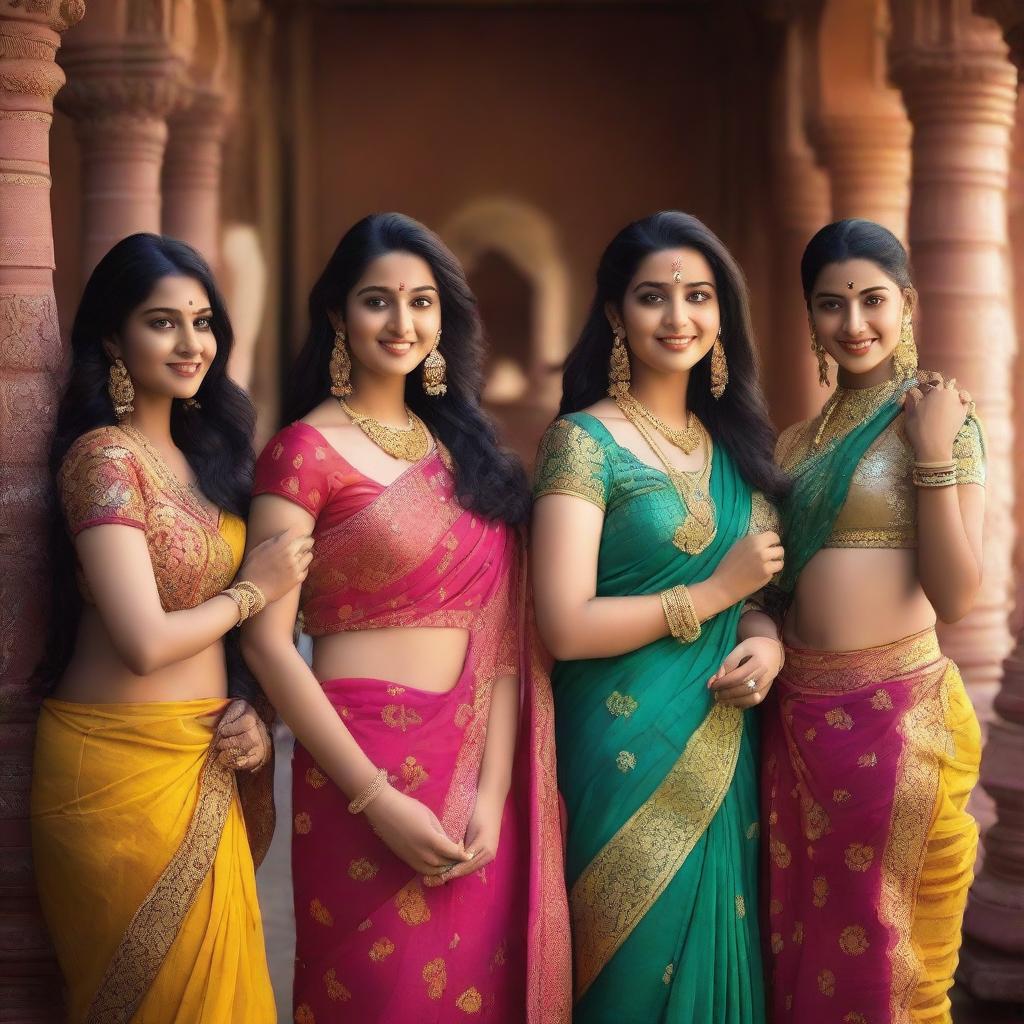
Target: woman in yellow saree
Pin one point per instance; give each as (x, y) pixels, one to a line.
(142, 854)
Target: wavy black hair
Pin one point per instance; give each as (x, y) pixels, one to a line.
(216, 438)
(738, 421)
(488, 479)
(854, 239)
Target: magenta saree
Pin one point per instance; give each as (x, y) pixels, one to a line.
(373, 943)
(869, 757)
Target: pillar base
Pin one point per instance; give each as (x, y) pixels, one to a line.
(990, 974)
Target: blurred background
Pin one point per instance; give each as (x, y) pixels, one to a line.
(526, 134)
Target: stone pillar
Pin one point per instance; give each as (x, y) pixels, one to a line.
(123, 82)
(30, 360)
(191, 175)
(960, 91)
(862, 131)
(992, 959)
(802, 206)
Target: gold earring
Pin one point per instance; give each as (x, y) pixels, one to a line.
(120, 389)
(618, 366)
(435, 371)
(904, 358)
(819, 352)
(192, 403)
(341, 366)
(719, 367)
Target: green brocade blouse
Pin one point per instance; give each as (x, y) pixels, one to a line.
(660, 782)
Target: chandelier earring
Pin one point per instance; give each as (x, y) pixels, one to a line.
(904, 358)
(719, 367)
(120, 389)
(341, 366)
(819, 353)
(618, 365)
(435, 371)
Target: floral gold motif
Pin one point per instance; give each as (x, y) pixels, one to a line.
(303, 823)
(777, 943)
(859, 857)
(320, 913)
(840, 796)
(304, 1014)
(827, 983)
(398, 716)
(754, 830)
(741, 906)
(853, 940)
(470, 1001)
(626, 761)
(868, 760)
(315, 778)
(362, 870)
(819, 887)
(881, 701)
(411, 906)
(838, 718)
(620, 705)
(413, 774)
(381, 949)
(810, 734)
(798, 932)
(775, 907)
(667, 975)
(335, 989)
(780, 853)
(435, 974)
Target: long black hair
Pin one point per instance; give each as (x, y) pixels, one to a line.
(215, 438)
(489, 480)
(738, 421)
(854, 239)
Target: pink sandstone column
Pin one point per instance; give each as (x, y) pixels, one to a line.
(30, 360)
(123, 82)
(191, 175)
(960, 90)
(992, 960)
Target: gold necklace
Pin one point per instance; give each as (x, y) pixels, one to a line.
(410, 444)
(686, 440)
(849, 407)
(699, 527)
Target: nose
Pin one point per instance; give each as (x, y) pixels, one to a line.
(189, 342)
(401, 321)
(854, 319)
(676, 313)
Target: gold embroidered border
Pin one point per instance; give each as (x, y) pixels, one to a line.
(155, 925)
(625, 879)
(925, 736)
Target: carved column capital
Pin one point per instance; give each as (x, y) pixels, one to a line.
(57, 15)
(1009, 14)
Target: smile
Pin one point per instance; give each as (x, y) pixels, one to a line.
(396, 348)
(186, 369)
(677, 343)
(858, 348)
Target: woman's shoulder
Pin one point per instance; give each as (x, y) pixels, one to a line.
(106, 444)
(790, 437)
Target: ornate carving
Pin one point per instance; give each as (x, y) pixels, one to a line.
(93, 96)
(39, 80)
(29, 336)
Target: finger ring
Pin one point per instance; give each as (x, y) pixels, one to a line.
(751, 684)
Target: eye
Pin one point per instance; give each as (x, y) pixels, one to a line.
(162, 323)
(874, 300)
(829, 305)
(202, 323)
(376, 302)
(698, 296)
(422, 302)
(650, 298)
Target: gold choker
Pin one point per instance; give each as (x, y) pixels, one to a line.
(410, 444)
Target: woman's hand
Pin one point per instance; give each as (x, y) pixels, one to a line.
(279, 564)
(411, 831)
(242, 739)
(482, 834)
(749, 565)
(747, 673)
(934, 412)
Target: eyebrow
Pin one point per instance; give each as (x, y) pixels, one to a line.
(169, 309)
(384, 288)
(662, 284)
(863, 291)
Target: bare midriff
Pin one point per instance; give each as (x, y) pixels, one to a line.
(96, 673)
(425, 657)
(849, 599)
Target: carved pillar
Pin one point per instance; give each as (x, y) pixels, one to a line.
(802, 204)
(191, 175)
(123, 82)
(992, 960)
(960, 91)
(862, 133)
(30, 359)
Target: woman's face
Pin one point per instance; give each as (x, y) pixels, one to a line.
(670, 311)
(857, 311)
(167, 341)
(392, 316)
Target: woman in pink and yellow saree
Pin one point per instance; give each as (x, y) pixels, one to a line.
(429, 708)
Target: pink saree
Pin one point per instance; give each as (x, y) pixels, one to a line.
(373, 943)
(869, 757)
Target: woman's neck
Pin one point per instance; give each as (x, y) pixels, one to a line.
(880, 374)
(152, 417)
(664, 395)
(380, 397)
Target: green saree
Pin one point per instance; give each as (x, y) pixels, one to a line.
(659, 781)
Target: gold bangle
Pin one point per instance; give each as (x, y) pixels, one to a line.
(248, 598)
(944, 464)
(934, 478)
(373, 790)
(680, 614)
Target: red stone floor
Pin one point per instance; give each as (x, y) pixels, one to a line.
(274, 880)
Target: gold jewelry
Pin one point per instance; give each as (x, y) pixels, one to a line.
(192, 403)
(341, 366)
(819, 353)
(719, 367)
(847, 408)
(904, 358)
(121, 389)
(618, 366)
(435, 371)
(409, 444)
(698, 528)
(686, 440)
(934, 474)
(373, 790)
(680, 615)
(751, 683)
(248, 597)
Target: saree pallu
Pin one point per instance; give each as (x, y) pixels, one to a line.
(659, 781)
(373, 943)
(143, 866)
(870, 757)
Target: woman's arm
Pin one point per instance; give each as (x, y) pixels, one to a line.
(576, 624)
(116, 563)
(949, 546)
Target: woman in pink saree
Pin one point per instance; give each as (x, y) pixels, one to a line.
(427, 707)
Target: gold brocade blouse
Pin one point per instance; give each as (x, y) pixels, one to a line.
(881, 506)
(114, 475)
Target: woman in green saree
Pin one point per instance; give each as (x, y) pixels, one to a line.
(651, 527)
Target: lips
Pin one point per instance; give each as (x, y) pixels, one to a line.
(396, 348)
(185, 369)
(858, 348)
(677, 343)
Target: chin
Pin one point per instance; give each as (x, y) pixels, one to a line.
(859, 366)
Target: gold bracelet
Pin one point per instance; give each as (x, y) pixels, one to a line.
(368, 795)
(680, 614)
(249, 599)
(934, 478)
